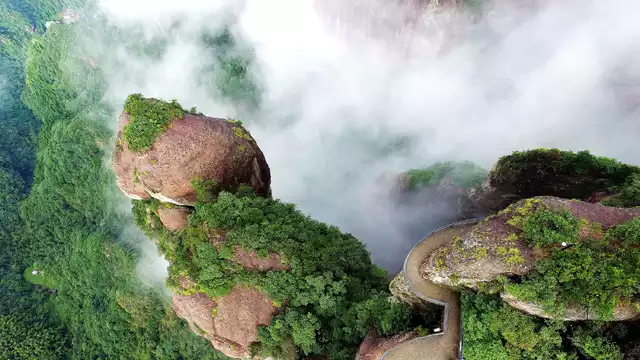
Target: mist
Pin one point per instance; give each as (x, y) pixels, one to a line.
(348, 96)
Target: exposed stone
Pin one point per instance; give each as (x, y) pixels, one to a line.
(479, 255)
(192, 148)
(230, 323)
(196, 309)
(400, 290)
(374, 346)
(238, 316)
(174, 217)
(250, 260)
(572, 312)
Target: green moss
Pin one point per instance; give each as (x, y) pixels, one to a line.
(240, 132)
(136, 176)
(463, 174)
(455, 279)
(148, 119)
(514, 258)
(481, 253)
(501, 251)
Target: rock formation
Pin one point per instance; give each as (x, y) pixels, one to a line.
(217, 151)
(174, 217)
(483, 254)
(573, 312)
(546, 172)
(374, 346)
(494, 249)
(231, 322)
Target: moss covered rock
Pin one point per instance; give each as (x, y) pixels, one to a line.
(165, 152)
(549, 172)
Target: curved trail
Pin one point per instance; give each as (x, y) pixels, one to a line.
(445, 345)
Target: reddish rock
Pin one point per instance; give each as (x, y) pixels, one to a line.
(250, 260)
(196, 309)
(230, 323)
(195, 147)
(174, 218)
(374, 346)
(476, 257)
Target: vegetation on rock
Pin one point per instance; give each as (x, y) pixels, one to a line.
(493, 330)
(148, 119)
(552, 172)
(462, 174)
(331, 293)
(596, 271)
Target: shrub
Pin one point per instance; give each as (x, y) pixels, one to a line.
(463, 174)
(545, 227)
(148, 119)
(629, 195)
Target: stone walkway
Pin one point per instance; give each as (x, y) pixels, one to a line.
(444, 345)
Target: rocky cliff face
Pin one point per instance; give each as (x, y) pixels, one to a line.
(218, 152)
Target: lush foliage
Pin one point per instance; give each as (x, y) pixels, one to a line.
(493, 330)
(596, 346)
(558, 173)
(331, 292)
(544, 227)
(598, 274)
(628, 194)
(148, 119)
(87, 301)
(461, 174)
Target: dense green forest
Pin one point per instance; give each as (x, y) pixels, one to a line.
(61, 216)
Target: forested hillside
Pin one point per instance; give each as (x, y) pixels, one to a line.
(63, 218)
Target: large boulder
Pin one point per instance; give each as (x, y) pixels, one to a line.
(547, 172)
(374, 346)
(494, 249)
(174, 217)
(218, 153)
(230, 322)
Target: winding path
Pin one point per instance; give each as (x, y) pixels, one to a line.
(445, 345)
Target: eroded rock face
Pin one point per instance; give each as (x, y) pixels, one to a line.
(572, 313)
(174, 218)
(195, 147)
(374, 346)
(493, 248)
(230, 323)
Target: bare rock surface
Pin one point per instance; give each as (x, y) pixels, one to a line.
(174, 218)
(195, 147)
(231, 322)
(374, 346)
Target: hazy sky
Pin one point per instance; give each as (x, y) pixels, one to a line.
(351, 83)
